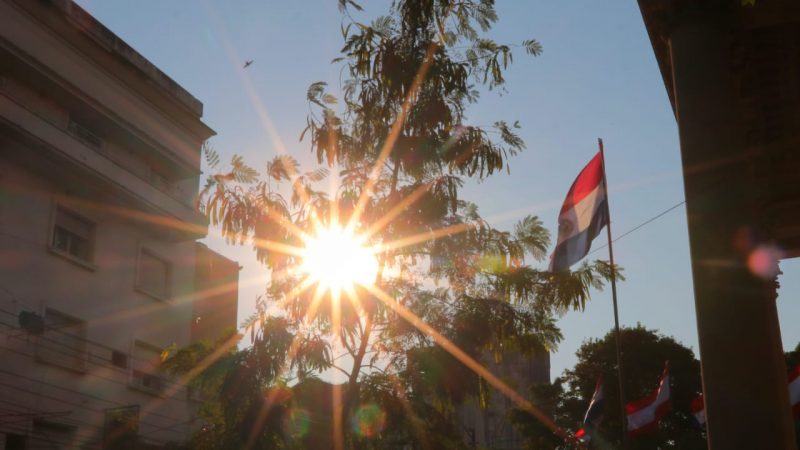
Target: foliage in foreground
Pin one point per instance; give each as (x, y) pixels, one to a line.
(400, 146)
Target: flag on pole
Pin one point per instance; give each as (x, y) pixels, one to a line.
(593, 414)
(698, 407)
(595, 410)
(583, 436)
(583, 214)
(794, 391)
(644, 414)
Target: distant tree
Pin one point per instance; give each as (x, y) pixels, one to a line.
(644, 354)
(402, 147)
(245, 398)
(793, 357)
(551, 398)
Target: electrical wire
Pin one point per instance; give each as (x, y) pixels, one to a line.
(92, 374)
(78, 337)
(91, 358)
(72, 391)
(646, 222)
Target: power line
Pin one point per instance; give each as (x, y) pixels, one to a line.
(648, 221)
(34, 441)
(85, 354)
(89, 357)
(19, 426)
(72, 391)
(70, 335)
(92, 374)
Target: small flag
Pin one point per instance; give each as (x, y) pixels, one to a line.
(794, 391)
(595, 410)
(583, 436)
(698, 407)
(583, 215)
(593, 414)
(643, 415)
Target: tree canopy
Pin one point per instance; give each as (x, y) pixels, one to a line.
(397, 147)
(644, 354)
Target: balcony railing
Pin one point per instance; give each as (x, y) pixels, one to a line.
(57, 115)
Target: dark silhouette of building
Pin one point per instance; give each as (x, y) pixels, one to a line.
(732, 72)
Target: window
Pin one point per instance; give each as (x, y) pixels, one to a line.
(84, 134)
(121, 427)
(63, 342)
(52, 435)
(73, 235)
(145, 374)
(153, 275)
(119, 359)
(15, 442)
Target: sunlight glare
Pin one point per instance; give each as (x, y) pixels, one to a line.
(338, 260)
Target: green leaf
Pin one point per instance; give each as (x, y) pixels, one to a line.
(282, 167)
(533, 47)
(241, 172)
(329, 99)
(212, 157)
(315, 91)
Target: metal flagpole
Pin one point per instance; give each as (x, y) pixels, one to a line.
(614, 296)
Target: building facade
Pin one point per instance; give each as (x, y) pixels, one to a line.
(100, 270)
(491, 427)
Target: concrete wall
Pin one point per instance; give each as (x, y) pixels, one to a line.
(215, 306)
(80, 334)
(104, 294)
(490, 427)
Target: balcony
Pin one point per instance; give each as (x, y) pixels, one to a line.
(47, 125)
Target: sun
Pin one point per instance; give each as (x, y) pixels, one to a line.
(338, 260)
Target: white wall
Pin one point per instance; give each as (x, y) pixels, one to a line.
(32, 278)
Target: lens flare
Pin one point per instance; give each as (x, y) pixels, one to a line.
(763, 261)
(298, 422)
(369, 420)
(337, 260)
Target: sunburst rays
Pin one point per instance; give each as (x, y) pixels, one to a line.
(308, 283)
(320, 293)
(467, 360)
(351, 225)
(336, 259)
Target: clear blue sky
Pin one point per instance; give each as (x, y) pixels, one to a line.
(597, 78)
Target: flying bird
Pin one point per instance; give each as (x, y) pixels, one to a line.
(247, 63)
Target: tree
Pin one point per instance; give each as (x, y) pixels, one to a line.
(401, 147)
(551, 399)
(793, 357)
(644, 353)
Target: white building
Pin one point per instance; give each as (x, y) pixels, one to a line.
(99, 265)
(491, 427)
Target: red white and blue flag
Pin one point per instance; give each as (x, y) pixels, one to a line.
(583, 436)
(593, 414)
(595, 410)
(643, 415)
(794, 391)
(698, 407)
(582, 216)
